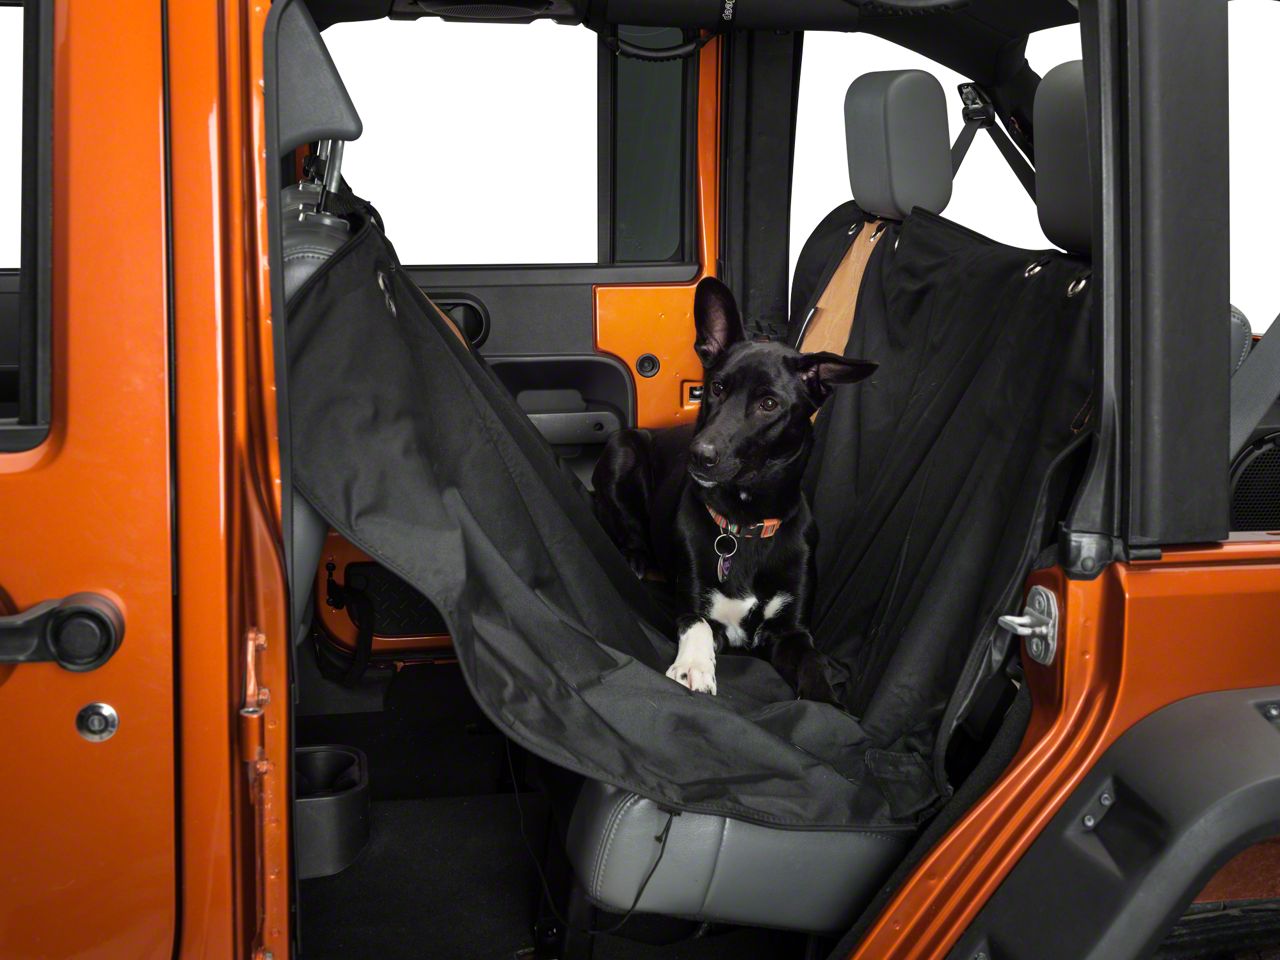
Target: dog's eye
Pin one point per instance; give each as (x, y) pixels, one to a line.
(717, 388)
(769, 404)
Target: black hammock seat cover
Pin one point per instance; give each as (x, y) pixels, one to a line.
(929, 481)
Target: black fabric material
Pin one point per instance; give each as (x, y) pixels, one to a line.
(928, 484)
(565, 651)
(818, 259)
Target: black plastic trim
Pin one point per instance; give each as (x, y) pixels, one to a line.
(1176, 428)
(1167, 805)
(607, 122)
(537, 275)
(760, 84)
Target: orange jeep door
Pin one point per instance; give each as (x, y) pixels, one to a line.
(87, 851)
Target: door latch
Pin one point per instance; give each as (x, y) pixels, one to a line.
(1038, 623)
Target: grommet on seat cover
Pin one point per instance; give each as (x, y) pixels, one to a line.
(899, 150)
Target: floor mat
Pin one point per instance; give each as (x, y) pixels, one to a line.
(431, 740)
(444, 877)
(730, 945)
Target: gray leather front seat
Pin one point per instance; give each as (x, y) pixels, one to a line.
(313, 105)
(714, 868)
(308, 239)
(731, 871)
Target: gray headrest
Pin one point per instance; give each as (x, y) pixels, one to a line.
(1063, 195)
(899, 149)
(312, 103)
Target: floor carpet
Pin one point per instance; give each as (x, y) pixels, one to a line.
(442, 878)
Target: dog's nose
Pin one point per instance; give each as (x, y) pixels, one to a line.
(704, 454)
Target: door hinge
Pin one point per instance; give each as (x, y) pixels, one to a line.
(255, 699)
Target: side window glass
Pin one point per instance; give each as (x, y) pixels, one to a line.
(25, 111)
(480, 140)
(1252, 29)
(651, 143)
(10, 197)
(11, 146)
(503, 144)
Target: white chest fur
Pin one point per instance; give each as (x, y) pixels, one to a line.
(730, 612)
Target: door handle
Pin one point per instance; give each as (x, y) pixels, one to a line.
(78, 633)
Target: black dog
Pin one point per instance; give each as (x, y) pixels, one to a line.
(722, 503)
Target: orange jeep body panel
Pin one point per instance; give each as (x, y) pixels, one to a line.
(89, 847)
(1139, 637)
(159, 485)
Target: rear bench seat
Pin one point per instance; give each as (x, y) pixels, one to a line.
(719, 869)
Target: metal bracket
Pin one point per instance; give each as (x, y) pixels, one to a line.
(1038, 623)
(977, 105)
(321, 176)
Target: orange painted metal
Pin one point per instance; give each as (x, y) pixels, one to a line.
(337, 625)
(1138, 638)
(263, 598)
(632, 321)
(204, 288)
(232, 610)
(1253, 874)
(88, 844)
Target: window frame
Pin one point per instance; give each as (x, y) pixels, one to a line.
(607, 131)
(607, 269)
(31, 426)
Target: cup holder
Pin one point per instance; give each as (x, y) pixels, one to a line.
(331, 812)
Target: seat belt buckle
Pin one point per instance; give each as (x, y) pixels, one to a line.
(977, 106)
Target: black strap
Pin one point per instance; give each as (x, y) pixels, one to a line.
(1254, 388)
(360, 609)
(979, 114)
(961, 147)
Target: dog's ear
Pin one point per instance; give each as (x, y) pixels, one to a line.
(822, 372)
(715, 315)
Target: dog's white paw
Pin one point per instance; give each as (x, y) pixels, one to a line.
(695, 665)
(698, 675)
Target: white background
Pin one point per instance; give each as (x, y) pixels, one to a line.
(480, 140)
(10, 132)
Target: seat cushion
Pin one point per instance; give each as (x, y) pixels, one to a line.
(729, 871)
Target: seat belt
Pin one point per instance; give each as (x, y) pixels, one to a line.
(828, 324)
(980, 114)
(1254, 388)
